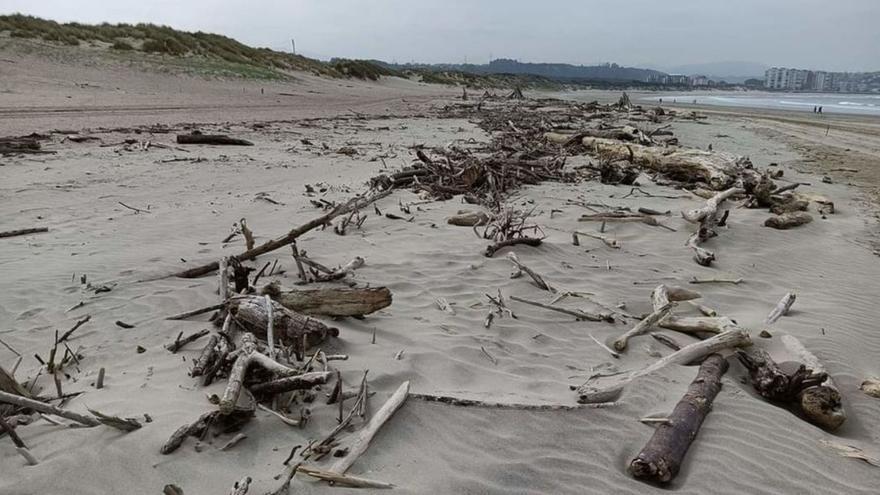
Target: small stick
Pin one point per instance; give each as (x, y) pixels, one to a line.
(99, 383)
(580, 315)
(343, 479)
(179, 343)
(31, 460)
(734, 281)
(233, 441)
(12, 434)
(270, 332)
(223, 282)
(78, 324)
(666, 340)
(10, 348)
(491, 357)
(781, 308)
(136, 210)
(195, 312)
(662, 421)
(611, 351)
(14, 233)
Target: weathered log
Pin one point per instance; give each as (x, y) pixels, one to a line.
(297, 329)
(528, 241)
(208, 355)
(664, 294)
(343, 479)
(468, 218)
(788, 220)
(609, 388)
(808, 390)
(211, 139)
(717, 170)
(707, 217)
(661, 458)
(821, 404)
(356, 203)
(247, 355)
(697, 324)
(331, 301)
(297, 382)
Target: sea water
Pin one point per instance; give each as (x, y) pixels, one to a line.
(859, 104)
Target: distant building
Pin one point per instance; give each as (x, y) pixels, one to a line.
(699, 81)
(806, 80)
(784, 78)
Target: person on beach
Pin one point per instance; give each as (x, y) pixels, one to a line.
(815, 108)
(820, 109)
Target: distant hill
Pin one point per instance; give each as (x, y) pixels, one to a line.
(731, 71)
(558, 72)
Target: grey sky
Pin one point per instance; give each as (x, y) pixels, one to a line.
(816, 34)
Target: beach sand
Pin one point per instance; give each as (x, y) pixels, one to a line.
(745, 446)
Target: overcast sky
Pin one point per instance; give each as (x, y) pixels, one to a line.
(816, 34)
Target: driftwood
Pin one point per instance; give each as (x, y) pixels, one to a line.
(247, 355)
(661, 458)
(356, 203)
(788, 220)
(297, 382)
(292, 327)
(342, 479)
(331, 301)
(808, 390)
(47, 409)
(468, 219)
(211, 139)
(609, 388)
(528, 241)
(578, 314)
(180, 342)
(208, 355)
(643, 326)
(717, 170)
(707, 218)
(343, 271)
(781, 308)
(697, 324)
(363, 437)
(13, 233)
(664, 294)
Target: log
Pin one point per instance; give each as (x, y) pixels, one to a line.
(821, 404)
(247, 356)
(609, 388)
(664, 294)
(47, 409)
(297, 382)
(331, 301)
(698, 215)
(781, 308)
(528, 241)
(643, 326)
(290, 326)
(808, 390)
(343, 271)
(211, 139)
(356, 203)
(697, 324)
(788, 220)
(208, 355)
(468, 219)
(363, 437)
(717, 170)
(14, 233)
(661, 458)
(707, 217)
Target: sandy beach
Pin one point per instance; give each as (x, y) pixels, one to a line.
(333, 136)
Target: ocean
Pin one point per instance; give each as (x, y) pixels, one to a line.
(858, 104)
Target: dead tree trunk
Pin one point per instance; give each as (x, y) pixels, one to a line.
(662, 456)
(291, 327)
(331, 301)
(211, 139)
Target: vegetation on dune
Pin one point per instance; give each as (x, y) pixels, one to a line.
(220, 55)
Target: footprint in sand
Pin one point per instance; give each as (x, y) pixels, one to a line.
(30, 313)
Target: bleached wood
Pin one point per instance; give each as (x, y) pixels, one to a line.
(47, 408)
(781, 308)
(609, 388)
(643, 326)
